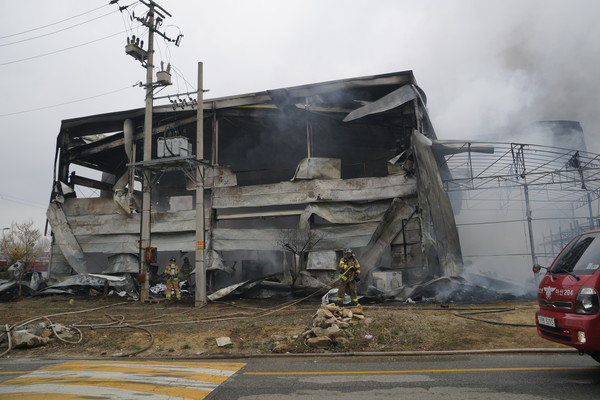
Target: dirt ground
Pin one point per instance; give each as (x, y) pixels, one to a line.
(111, 327)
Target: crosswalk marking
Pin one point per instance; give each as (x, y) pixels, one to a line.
(120, 380)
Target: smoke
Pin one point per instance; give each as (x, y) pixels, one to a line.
(510, 63)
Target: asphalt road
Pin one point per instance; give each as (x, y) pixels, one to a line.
(464, 377)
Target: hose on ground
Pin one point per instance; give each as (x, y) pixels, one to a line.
(467, 315)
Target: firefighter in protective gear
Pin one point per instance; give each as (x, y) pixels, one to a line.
(172, 275)
(350, 274)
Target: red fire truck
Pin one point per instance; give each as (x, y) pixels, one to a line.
(568, 298)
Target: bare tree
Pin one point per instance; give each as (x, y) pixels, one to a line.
(22, 243)
(299, 242)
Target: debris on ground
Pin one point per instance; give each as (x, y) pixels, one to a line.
(329, 326)
(224, 341)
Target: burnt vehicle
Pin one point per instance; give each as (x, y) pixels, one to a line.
(569, 307)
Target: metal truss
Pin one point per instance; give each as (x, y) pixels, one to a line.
(561, 174)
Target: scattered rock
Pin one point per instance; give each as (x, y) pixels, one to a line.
(324, 313)
(282, 348)
(319, 341)
(224, 341)
(24, 339)
(329, 323)
(34, 329)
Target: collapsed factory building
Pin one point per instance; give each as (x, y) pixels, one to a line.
(290, 178)
(341, 164)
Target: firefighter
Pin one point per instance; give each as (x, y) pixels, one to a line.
(172, 275)
(186, 269)
(350, 274)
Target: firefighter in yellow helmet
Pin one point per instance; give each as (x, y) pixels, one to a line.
(172, 275)
(350, 274)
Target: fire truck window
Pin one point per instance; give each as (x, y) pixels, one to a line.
(579, 256)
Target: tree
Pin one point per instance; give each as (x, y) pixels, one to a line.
(22, 242)
(298, 242)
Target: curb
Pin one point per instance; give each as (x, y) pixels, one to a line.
(328, 355)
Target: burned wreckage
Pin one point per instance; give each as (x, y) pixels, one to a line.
(292, 176)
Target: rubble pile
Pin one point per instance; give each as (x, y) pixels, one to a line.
(35, 335)
(329, 325)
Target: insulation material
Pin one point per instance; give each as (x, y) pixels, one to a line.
(440, 235)
(318, 168)
(345, 213)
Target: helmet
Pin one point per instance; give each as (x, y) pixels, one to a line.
(347, 251)
(172, 259)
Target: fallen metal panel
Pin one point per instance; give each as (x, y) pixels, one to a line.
(388, 102)
(440, 235)
(59, 264)
(387, 230)
(65, 239)
(300, 192)
(119, 283)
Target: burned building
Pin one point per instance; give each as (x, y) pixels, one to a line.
(324, 166)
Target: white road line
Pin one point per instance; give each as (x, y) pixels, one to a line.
(127, 377)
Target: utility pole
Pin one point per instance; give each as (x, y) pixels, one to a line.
(200, 298)
(145, 239)
(134, 48)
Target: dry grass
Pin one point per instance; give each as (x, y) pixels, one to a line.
(180, 330)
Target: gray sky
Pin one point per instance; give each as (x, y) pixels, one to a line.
(488, 67)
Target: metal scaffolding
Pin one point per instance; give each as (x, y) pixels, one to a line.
(551, 193)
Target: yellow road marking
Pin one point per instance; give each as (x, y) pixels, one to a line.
(421, 371)
(172, 391)
(13, 372)
(49, 396)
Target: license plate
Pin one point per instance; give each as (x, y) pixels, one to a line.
(546, 321)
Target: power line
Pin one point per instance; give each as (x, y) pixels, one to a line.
(58, 31)
(68, 102)
(54, 23)
(21, 201)
(61, 50)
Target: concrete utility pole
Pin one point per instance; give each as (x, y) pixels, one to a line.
(153, 19)
(146, 183)
(200, 298)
